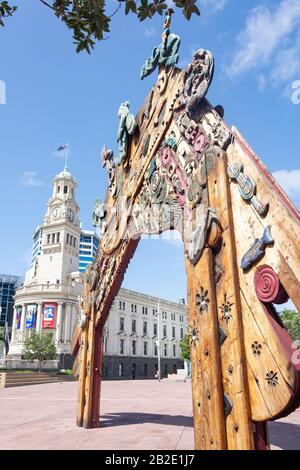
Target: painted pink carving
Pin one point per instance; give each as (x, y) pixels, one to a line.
(199, 142)
(166, 156)
(181, 196)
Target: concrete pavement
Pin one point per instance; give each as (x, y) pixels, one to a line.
(134, 415)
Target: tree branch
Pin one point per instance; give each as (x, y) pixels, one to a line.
(47, 4)
(116, 11)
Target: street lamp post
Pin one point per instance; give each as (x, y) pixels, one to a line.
(158, 343)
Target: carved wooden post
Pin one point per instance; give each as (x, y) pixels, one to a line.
(90, 375)
(82, 354)
(208, 404)
(91, 417)
(235, 384)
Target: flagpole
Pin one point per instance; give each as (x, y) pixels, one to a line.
(66, 159)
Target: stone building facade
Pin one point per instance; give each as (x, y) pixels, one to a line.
(134, 331)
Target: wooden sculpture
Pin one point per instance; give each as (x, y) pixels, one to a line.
(185, 169)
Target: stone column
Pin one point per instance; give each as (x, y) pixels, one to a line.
(67, 334)
(58, 323)
(23, 321)
(13, 330)
(38, 327)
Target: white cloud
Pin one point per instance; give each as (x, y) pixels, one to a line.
(150, 32)
(287, 63)
(29, 179)
(265, 32)
(290, 182)
(261, 82)
(214, 5)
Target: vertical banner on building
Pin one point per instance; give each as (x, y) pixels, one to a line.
(30, 316)
(18, 317)
(49, 316)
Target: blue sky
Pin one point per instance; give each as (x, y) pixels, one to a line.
(54, 96)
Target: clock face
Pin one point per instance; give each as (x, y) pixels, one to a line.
(70, 215)
(56, 213)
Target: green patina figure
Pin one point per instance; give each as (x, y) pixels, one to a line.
(127, 127)
(166, 54)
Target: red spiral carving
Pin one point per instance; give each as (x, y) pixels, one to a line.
(268, 287)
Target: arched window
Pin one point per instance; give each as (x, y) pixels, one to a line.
(58, 188)
(65, 189)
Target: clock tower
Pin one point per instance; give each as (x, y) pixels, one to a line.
(60, 232)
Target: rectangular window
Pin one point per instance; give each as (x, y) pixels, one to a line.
(181, 333)
(53, 237)
(121, 346)
(165, 331)
(174, 350)
(57, 237)
(155, 349)
(121, 369)
(145, 310)
(145, 348)
(74, 242)
(173, 331)
(48, 239)
(133, 326)
(154, 311)
(133, 308)
(121, 324)
(68, 238)
(165, 349)
(71, 240)
(145, 328)
(155, 329)
(133, 347)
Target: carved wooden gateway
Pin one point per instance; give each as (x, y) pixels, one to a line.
(181, 167)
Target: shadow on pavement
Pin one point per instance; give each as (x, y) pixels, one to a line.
(286, 436)
(121, 419)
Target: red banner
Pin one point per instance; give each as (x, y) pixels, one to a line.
(49, 316)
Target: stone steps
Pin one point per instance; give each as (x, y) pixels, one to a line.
(13, 379)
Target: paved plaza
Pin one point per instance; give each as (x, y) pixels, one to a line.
(134, 415)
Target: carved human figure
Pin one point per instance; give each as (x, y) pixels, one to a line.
(98, 216)
(198, 77)
(108, 163)
(127, 127)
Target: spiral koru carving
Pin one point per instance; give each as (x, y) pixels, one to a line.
(268, 287)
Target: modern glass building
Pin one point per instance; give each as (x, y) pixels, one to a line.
(37, 242)
(89, 242)
(7, 292)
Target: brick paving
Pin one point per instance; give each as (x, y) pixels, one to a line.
(134, 415)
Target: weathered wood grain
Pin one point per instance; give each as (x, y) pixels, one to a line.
(233, 363)
(208, 402)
